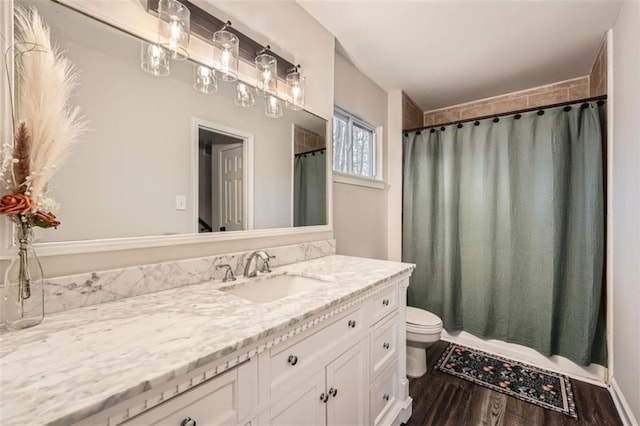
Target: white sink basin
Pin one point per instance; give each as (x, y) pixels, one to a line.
(274, 288)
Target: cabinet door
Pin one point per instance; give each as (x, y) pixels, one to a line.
(302, 406)
(347, 379)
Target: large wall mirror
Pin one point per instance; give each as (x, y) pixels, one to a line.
(162, 159)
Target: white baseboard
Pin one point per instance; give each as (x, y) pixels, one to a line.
(594, 373)
(626, 415)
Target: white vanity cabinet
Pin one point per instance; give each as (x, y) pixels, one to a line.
(342, 366)
(360, 377)
(334, 395)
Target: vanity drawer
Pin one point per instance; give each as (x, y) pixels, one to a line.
(212, 403)
(385, 303)
(299, 357)
(384, 345)
(384, 394)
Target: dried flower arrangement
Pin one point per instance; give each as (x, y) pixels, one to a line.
(48, 126)
(42, 135)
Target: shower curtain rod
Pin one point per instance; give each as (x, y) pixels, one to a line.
(313, 151)
(502, 114)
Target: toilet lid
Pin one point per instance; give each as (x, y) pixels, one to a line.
(422, 319)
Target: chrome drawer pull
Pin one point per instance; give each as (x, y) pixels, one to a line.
(351, 324)
(385, 397)
(385, 345)
(385, 302)
(333, 392)
(324, 397)
(293, 360)
(188, 422)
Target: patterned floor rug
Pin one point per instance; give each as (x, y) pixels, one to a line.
(531, 384)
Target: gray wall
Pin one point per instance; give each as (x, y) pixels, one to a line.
(626, 205)
(360, 213)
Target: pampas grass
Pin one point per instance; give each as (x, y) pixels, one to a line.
(45, 81)
(21, 154)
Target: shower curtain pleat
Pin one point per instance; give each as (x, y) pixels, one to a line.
(505, 224)
(309, 190)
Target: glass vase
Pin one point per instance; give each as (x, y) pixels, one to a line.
(23, 299)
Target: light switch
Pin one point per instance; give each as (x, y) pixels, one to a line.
(181, 202)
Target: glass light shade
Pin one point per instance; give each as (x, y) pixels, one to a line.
(225, 55)
(266, 74)
(272, 107)
(174, 28)
(244, 97)
(295, 91)
(203, 80)
(154, 60)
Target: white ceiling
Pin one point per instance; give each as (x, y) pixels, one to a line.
(444, 53)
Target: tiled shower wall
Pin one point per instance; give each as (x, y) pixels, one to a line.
(305, 140)
(598, 76)
(411, 113)
(594, 84)
(574, 89)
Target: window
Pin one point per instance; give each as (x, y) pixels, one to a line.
(354, 146)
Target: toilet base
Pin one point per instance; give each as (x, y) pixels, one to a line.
(416, 361)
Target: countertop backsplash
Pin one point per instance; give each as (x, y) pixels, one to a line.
(92, 288)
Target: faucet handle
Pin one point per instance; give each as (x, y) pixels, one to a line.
(265, 262)
(228, 274)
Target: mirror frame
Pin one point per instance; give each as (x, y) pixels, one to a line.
(141, 26)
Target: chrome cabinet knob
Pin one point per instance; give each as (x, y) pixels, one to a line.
(188, 422)
(324, 397)
(385, 345)
(293, 360)
(351, 324)
(333, 392)
(385, 396)
(385, 302)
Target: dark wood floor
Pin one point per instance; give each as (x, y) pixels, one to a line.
(441, 399)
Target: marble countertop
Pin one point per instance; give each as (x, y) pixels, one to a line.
(79, 362)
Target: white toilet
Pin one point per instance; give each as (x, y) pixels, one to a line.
(423, 329)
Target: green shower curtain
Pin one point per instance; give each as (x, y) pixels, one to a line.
(505, 223)
(309, 189)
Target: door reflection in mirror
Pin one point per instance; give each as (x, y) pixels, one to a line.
(222, 203)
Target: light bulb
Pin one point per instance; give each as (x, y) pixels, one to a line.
(226, 56)
(205, 74)
(154, 55)
(204, 81)
(272, 107)
(244, 98)
(175, 34)
(154, 59)
(266, 77)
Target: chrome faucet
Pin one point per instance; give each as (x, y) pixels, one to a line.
(264, 256)
(228, 273)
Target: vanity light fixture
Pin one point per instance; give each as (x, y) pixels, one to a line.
(244, 96)
(204, 80)
(225, 54)
(266, 72)
(295, 89)
(154, 59)
(272, 107)
(174, 28)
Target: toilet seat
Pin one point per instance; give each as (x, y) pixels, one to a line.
(421, 321)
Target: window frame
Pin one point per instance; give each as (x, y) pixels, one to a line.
(375, 181)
